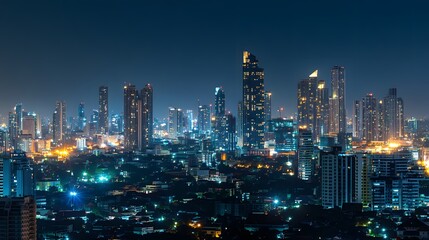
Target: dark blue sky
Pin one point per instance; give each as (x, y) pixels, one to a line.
(53, 50)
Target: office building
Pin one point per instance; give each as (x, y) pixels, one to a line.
(370, 117)
(285, 134)
(130, 117)
(145, 117)
(59, 123)
(103, 110)
(338, 106)
(204, 120)
(306, 163)
(253, 103)
(175, 122)
(267, 109)
(81, 119)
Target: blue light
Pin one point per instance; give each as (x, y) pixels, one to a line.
(73, 194)
(276, 201)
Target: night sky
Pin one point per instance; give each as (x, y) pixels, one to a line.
(52, 50)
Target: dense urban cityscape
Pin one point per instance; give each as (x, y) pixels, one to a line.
(186, 120)
(208, 174)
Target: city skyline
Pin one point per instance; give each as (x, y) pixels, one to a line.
(128, 52)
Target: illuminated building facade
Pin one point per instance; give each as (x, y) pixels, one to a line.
(393, 116)
(13, 130)
(285, 134)
(204, 120)
(175, 122)
(116, 123)
(93, 123)
(240, 124)
(370, 121)
(219, 101)
(103, 110)
(338, 106)
(145, 110)
(29, 125)
(306, 164)
(59, 123)
(339, 178)
(130, 117)
(267, 109)
(253, 103)
(313, 105)
(357, 116)
(81, 119)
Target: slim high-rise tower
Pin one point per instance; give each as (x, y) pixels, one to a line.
(59, 124)
(338, 106)
(369, 118)
(103, 110)
(253, 102)
(145, 110)
(393, 115)
(130, 117)
(81, 119)
(267, 109)
(219, 102)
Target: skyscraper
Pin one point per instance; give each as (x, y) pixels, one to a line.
(219, 101)
(267, 109)
(306, 163)
(175, 122)
(338, 106)
(393, 115)
(19, 113)
(13, 130)
(253, 102)
(369, 118)
(81, 119)
(59, 124)
(313, 105)
(357, 119)
(130, 117)
(145, 117)
(103, 111)
(204, 121)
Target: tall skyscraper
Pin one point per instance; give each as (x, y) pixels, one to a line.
(313, 105)
(18, 218)
(204, 121)
(103, 111)
(393, 115)
(338, 106)
(130, 117)
(369, 118)
(306, 164)
(59, 123)
(13, 130)
(239, 126)
(219, 101)
(93, 123)
(29, 125)
(253, 102)
(117, 124)
(145, 111)
(175, 122)
(19, 114)
(81, 119)
(357, 119)
(267, 109)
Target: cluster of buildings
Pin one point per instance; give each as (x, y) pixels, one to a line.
(376, 159)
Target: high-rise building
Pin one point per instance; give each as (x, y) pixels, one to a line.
(175, 122)
(81, 119)
(116, 123)
(338, 106)
(322, 109)
(93, 123)
(253, 102)
(18, 218)
(224, 133)
(59, 123)
(130, 117)
(339, 178)
(219, 102)
(103, 111)
(285, 134)
(369, 118)
(29, 125)
(313, 105)
(13, 130)
(19, 113)
(357, 119)
(204, 120)
(394, 116)
(306, 164)
(239, 126)
(145, 110)
(267, 109)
